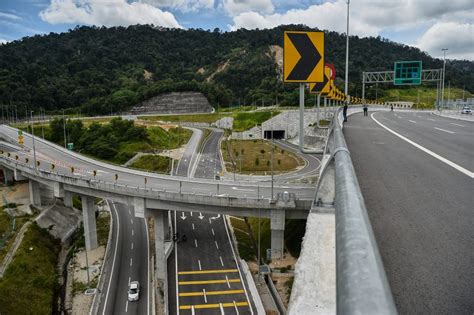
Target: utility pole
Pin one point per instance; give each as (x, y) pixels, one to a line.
(64, 129)
(347, 55)
(42, 123)
(34, 148)
(444, 75)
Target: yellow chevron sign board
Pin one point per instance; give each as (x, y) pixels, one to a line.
(322, 87)
(303, 57)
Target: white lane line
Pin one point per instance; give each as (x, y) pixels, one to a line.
(176, 267)
(216, 244)
(431, 119)
(236, 309)
(205, 297)
(191, 213)
(126, 306)
(132, 232)
(131, 221)
(129, 280)
(439, 157)
(196, 242)
(115, 256)
(213, 232)
(222, 263)
(132, 247)
(227, 280)
(457, 124)
(193, 226)
(131, 262)
(210, 221)
(221, 308)
(199, 263)
(443, 130)
(412, 121)
(147, 268)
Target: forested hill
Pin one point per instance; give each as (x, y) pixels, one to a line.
(104, 69)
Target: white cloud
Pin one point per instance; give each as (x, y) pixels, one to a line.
(106, 12)
(458, 38)
(3, 41)
(321, 16)
(235, 7)
(9, 16)
(182, 5)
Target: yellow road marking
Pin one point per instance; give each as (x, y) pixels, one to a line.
(199, 272)
(198, 306)
(207, 281)
(211, 293)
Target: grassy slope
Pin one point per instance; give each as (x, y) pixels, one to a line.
(30, 281)
(427, 94)
(242, 120)
(154, 163)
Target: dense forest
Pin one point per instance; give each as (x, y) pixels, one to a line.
(99, 70)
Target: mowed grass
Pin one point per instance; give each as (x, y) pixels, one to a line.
(242, 120)
(425, 95)
(254, 157)
(30, 281)
(154, 163)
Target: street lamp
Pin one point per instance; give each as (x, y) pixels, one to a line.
(64, 128)
(34, 148)
(444, 74)
(347, 55)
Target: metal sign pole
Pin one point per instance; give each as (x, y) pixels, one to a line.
(319, 104)
(301, 142)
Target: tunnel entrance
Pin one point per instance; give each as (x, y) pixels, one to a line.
(277, 134)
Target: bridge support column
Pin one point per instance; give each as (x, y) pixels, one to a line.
(277, 226)
(35, 195)
(161, 228)
(89, 221)
(8, 177)
(67, 199)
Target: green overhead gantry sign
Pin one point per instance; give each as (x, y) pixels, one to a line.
(407, 73)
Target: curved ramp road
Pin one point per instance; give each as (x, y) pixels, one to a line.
(415, 172)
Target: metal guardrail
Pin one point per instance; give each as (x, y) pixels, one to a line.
(362, 285)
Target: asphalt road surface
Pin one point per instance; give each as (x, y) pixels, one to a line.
(419, 197)
(129, 261)
(208, 280)
(48, 153)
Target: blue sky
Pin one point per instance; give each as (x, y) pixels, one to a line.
(427, 24)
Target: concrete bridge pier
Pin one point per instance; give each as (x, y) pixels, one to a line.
(35, 195)
(277, 227)
(8, 176)
(89, 221)
(67, 199)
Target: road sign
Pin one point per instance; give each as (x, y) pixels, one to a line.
(20, 133)
(407, 73)
(70, 146)
(303, 57)
(322, 87)
(21, 141)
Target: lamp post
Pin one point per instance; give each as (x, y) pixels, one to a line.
(347, 55)
(33, 133)
(64, 129)
(444, 75)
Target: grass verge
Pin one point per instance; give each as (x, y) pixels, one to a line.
(154, 163)
(254, 157)
(30, 281)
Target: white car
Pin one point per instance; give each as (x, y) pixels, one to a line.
(133, 291)
(466, 110)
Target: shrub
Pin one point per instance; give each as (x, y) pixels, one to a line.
(257, 161)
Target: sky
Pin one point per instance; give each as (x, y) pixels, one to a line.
(427, 24)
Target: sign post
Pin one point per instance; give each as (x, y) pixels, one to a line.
(303, 62)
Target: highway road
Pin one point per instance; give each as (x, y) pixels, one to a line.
(128, 261)
(416, 174)
(48, 153)
(208, 279)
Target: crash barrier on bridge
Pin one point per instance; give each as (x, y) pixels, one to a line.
(362, 285)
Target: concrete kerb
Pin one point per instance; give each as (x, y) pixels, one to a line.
(101, 282)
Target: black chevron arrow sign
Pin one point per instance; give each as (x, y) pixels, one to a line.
(309, 56)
